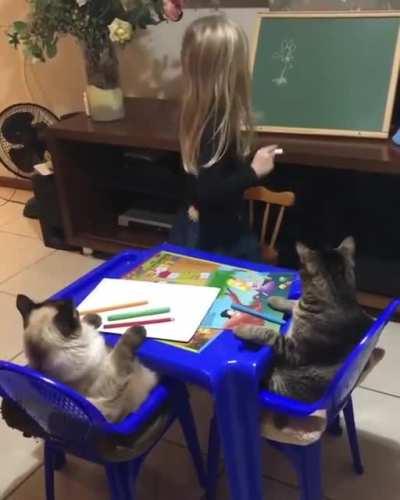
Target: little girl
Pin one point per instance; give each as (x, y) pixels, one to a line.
(216, 106)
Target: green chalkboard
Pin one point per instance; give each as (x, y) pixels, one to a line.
(326, 73)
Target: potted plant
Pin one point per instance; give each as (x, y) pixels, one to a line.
(98, 25)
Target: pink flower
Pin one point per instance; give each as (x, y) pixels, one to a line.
(173, 9)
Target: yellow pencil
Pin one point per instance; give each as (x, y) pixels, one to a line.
(112, 308)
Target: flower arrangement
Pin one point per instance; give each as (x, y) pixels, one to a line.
(98, 25)
(92, 22)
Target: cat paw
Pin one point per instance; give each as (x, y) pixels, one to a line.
(135, 336)
(280, 304)
(248, 332)
(257, 334)
(93, 320)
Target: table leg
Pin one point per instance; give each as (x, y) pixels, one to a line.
(237, 410)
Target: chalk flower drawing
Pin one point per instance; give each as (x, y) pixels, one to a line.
(286, 56)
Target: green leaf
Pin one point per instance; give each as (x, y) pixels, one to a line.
(20, 26)
(143, 21)
(13, 39)
(36, 51)
(42, 4)
(159, 8)
(51, 49)
(142, 17)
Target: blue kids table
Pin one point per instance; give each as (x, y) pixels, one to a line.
(230, 371)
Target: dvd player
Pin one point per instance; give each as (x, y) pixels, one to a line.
(147, 218)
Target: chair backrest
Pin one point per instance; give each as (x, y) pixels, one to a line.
(351, 371)
(61, 412)
(282, 200)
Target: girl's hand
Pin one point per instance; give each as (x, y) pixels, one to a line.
(263, 161)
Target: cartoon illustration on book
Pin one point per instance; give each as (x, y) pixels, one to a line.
(237, 286)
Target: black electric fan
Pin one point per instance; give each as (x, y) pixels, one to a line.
(22, 144)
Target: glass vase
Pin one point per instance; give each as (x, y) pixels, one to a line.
(103, 92)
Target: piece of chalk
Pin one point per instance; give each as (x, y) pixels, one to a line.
(278, 151)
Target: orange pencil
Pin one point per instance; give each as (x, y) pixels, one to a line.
(112, 308)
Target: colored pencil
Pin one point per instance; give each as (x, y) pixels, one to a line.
(138, 323)
(138, 314)
(113, 308)
(258, 314)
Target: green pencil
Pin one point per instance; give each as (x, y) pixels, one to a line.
(137, 314)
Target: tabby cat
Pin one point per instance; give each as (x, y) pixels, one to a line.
(327, 324)
(64, 347)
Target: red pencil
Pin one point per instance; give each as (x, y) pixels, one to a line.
(138, 323)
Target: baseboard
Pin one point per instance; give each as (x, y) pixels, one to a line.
(15, 183)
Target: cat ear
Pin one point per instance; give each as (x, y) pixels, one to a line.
(66, 320)
(307, 257)
(304, 252)
(347, 248)
(25, 306)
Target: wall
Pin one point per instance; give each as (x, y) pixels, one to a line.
(335, 4)
(155, 53)
(149, 66)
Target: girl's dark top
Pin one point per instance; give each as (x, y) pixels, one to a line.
(217, 193)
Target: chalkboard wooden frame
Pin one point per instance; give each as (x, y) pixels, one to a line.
(391, 94)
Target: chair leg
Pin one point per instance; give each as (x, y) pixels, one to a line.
(49, 471)
(352, 436)
(307, 461)
(335, 428)
(213, 456)
(188, 425)
(121, 478)
(59, 459)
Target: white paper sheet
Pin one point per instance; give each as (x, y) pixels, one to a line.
(189, 305)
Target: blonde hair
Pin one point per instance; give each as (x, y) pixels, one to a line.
(216, 94)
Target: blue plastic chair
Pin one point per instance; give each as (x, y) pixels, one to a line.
(337, 398)
(72, 424)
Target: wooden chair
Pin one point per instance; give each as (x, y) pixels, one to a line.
(282, 200)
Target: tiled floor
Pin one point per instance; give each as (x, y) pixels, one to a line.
(27, 266)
